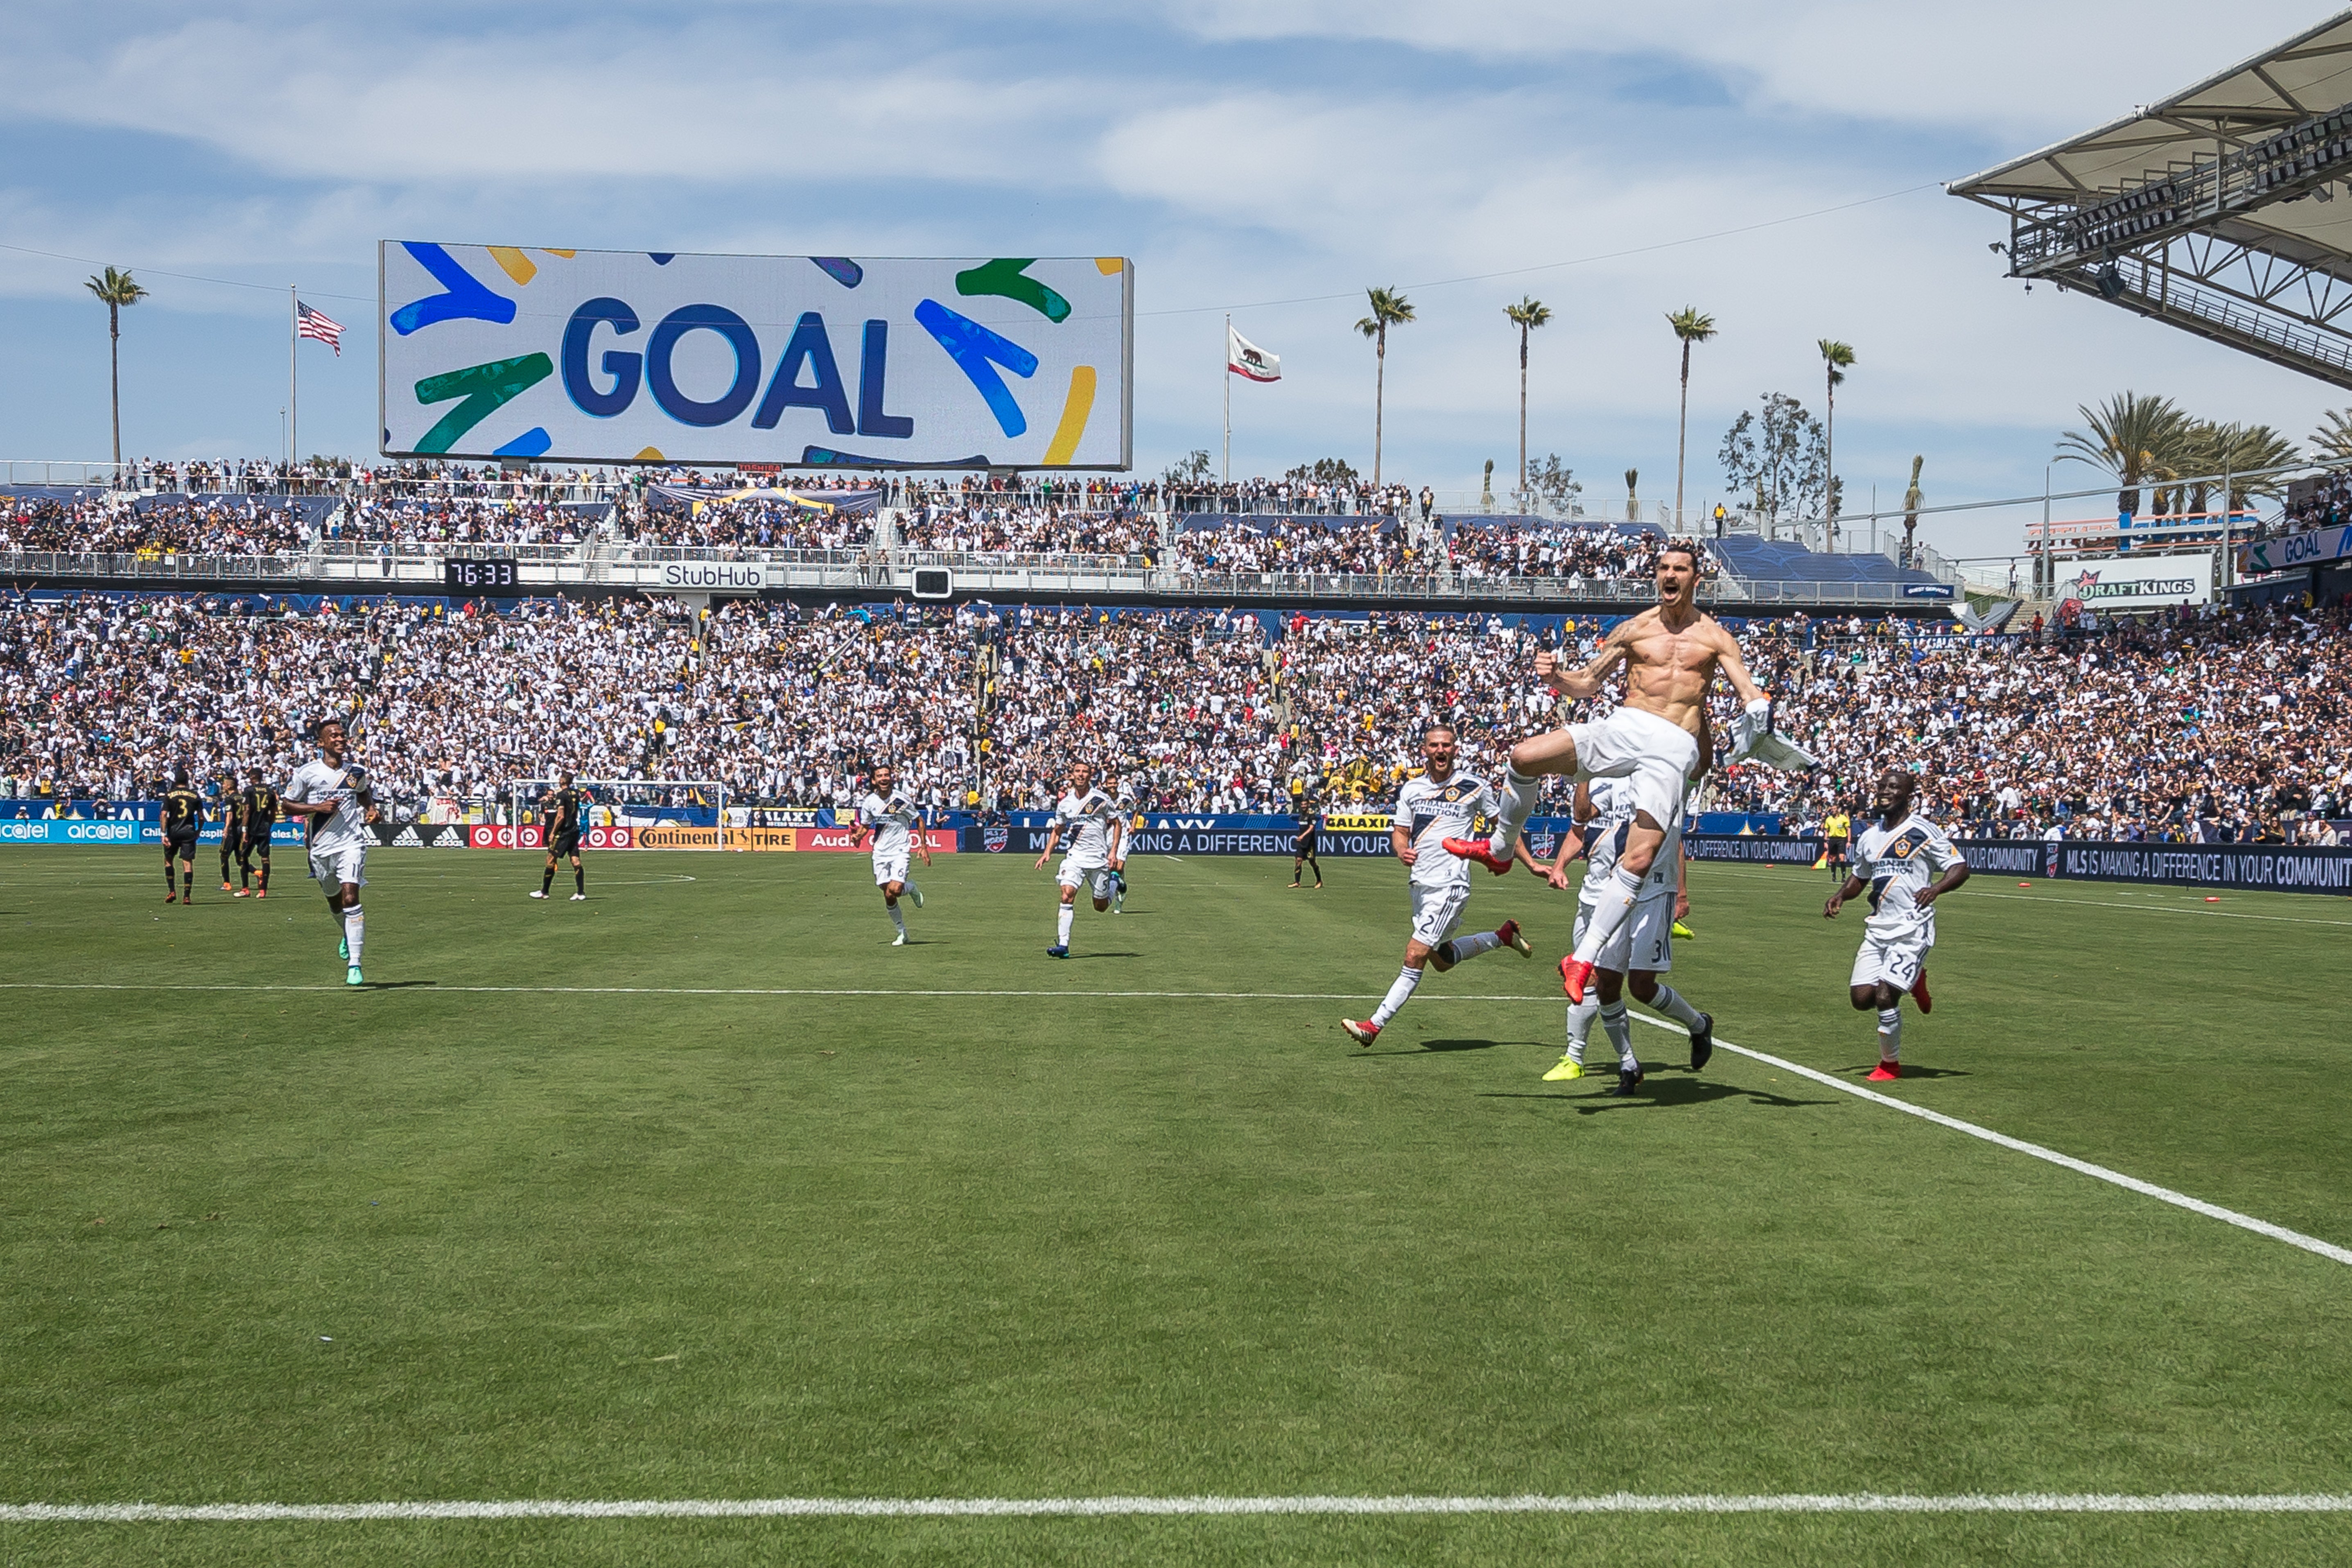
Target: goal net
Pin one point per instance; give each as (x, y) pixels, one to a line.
(683, 803)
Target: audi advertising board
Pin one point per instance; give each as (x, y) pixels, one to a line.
(621, 356)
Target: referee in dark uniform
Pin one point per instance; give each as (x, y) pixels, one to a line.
(183, 814)
(1302, 848)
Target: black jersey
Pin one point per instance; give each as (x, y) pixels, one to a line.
(560, 814)
(183, 809)
(1303, 841)
(260, 811)
(232, 814)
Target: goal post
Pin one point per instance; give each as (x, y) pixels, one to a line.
(633, 803)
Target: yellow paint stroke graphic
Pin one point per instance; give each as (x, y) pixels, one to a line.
(567, 255)
(650, 455)
(1111, 266)
(514, 263)
(1075, 414)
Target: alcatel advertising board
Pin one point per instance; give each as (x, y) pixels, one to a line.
(614, 356)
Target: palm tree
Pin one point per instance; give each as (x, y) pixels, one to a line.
(1632, 505)
(1390, 308)
(2134, 437)
(117, 290)
(1835, 357)
(2334, 437)
(1691, 327)
(2239, 453)
(1912, 501)
(1526, 315)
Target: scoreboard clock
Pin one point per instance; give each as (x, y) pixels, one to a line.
(482, 572)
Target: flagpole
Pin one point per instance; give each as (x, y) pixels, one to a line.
(293, 378)
(1225, 474)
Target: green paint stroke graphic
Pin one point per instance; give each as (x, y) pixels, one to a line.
(1004, 276)
(485, 387)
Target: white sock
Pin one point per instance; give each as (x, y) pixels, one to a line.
(355, 932)
(1069, 915)
(1472, 946)
(1580, 1025)
(897, 918)
(1675, 1008)
(1407, 979)
(1609, 912)
(1520, 794)
(1619, 1030)
(1890, 1033)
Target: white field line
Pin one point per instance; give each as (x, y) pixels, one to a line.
(2151, 890)
(2311, 1244)
(1183, 1507)
(2098, 1173)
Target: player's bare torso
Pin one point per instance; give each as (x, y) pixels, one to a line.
(1670, 660)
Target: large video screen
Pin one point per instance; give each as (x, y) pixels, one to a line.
(619, 356)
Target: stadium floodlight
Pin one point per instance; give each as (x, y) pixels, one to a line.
(2202, 209)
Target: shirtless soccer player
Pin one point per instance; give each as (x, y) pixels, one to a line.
(1438, 799)
(1671, 653)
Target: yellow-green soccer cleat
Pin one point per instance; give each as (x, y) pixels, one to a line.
(1565, 1069)
(1684, 932)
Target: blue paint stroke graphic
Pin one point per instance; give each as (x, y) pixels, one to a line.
(662, 257)
(824, 457)
(841, 269)
(977, 352)
(467, 300)
(532, 443)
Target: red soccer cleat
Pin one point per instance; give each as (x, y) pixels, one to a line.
(1509, 931)
(240, 893)
(1886, 1072)
(171, 897)
(1919, 993)
(1482, 850)
(1574, 976)
(1362, 1034)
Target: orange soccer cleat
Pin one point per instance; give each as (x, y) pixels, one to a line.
(1919, 993)
(1574, 976)
(1363, 1034)
(1886, 1072)
(1508, 933)
(1481, 850)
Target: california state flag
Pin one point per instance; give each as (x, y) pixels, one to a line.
(1244, 358)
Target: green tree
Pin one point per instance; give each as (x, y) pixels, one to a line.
(2333, 436)
(2237, 453)
(1526, 315)
(1835, 357)
(1390, 308)
(1691, 326)
(2136, 438)
(1779, 451)
(1555, 481)
(116, 291)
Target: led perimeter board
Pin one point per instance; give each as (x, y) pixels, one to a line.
(621, 356)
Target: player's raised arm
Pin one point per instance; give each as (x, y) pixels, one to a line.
(1583, 684)
(1734, 668)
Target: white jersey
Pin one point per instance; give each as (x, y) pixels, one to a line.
(317, 782)
(894, 822)
(1431, 811)
(1086, 823)
(1614, 802)
(1896, 862)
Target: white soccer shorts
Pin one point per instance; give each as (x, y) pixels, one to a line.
(1895, 961)
(1634, 744)
(1646, 941)
(1436, 910)
(1095, 879)
(330, 869)
(888, 868)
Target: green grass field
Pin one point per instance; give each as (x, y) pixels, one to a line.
(602, 1201)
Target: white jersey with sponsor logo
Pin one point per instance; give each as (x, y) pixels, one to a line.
(1431, 811)
(894, 822)
(1896, 861)
(317, 782)
(1614, 802)
(1086, 823)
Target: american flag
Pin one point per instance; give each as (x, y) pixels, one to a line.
(309, 323)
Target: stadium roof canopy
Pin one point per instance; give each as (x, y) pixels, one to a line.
(2214, 209)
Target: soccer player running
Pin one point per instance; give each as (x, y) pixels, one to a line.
(183, 816)
(897, 823)
(1652, 740)
(232, 816)
(1604, 815)
(260, 818)
(1906, 863)
(1431, 803)
(1098, 830)
(1302, 846)
(559, 824)
(333, 798)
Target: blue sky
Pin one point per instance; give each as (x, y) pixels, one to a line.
(1241, 154)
